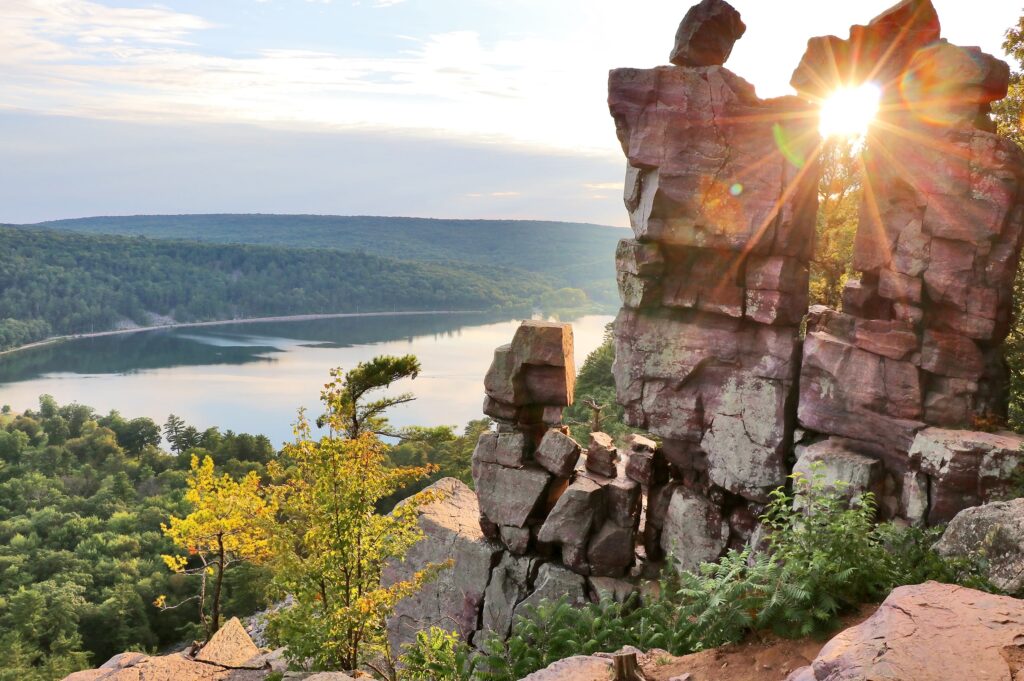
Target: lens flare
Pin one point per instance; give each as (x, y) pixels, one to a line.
(849, 111)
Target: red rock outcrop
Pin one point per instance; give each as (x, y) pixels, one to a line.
(539, 492)
(721, 188)
(230, 655)
(928, 632)
(937, 247)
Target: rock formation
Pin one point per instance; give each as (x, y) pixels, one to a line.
(230, 655)
(539, 491)
(721, 189)
(712, 358)
(995, 531)
(928, 632)
(451, 528)
(939, 238)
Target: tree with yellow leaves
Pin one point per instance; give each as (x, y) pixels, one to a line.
(329, 543)
(226, 527)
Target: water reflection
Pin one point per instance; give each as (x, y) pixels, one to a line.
(253, 377)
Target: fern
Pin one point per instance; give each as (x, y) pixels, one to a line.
(437, 655)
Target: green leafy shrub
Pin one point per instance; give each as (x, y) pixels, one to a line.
(827, 552)
(437, 655)
(824, 555)
(552, 631)
(913, 559)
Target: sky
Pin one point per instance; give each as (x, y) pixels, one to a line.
(433, 108)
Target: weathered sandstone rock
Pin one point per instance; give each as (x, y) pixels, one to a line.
(508, 587)
(996, 531)
(927, 632)
(610, 551)
(508, 496)
(694, 530)
(578, 668)
(453, 600)
(552, 583)
(535, 370)
(602, 456)
(580, 509)
(840, 466)
(707, 34)
(965, 468)
(229, 647)
(714, 382)
(558, 453)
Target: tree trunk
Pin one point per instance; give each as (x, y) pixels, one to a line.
(215, 625)
(202, 604)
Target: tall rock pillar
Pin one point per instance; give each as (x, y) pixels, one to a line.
(918, 342)
(721, 189)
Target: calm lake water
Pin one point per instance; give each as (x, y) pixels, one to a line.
(253, 377)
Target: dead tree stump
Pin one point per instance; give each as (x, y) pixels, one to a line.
(626, 668)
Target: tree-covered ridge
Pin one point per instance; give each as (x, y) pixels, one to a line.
(82, 499)
(58, 283)
(576, 255)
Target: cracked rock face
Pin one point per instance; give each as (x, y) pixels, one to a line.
(452, 532)
(721, 190)
(531, 373)
(997, 531)
(694, 531)
(927, 632)
(964, 468)
(937, 248)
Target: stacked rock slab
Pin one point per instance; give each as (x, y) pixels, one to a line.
(540, 495)
(918, 341)
(520, 470)
(721, 189)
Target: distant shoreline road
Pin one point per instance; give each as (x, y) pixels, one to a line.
(224, 322)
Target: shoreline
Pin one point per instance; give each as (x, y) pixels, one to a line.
(53, 340)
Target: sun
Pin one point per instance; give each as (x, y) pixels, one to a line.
(849, 111)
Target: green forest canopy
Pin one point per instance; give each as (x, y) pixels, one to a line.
(82, 498)
(576, 255)
(58, 283)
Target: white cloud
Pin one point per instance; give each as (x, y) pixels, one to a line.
(85, 59)
(545, 87)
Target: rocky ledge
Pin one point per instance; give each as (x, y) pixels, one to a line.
(230, 655)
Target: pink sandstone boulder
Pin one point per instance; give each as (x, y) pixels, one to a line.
(230, 646)
(707, 34)
(451, 532)
(965, 468)
(928, 632)
(535, 370)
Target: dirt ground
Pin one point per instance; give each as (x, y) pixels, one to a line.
(762, 657)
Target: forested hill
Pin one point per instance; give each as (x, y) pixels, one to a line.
(577, 255)
(57, 282)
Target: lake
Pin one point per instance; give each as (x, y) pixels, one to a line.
(252, 378)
